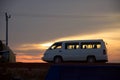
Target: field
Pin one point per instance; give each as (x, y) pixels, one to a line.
(23, 71)
(38, 71)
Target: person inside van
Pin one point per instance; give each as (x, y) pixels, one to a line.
(85, 47)
(95, 46)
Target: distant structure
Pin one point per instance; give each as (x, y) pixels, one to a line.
(6, 54)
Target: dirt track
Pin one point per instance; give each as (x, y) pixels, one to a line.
(36, 71)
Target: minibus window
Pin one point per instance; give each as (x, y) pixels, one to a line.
(98, 45)
(90, 45)
(56, 46)
(73, 45)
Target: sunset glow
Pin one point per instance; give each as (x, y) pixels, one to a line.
(46, 45)
(110, 39)
(31, 59)
(35, 26)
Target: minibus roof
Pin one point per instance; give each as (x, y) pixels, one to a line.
(90, 40)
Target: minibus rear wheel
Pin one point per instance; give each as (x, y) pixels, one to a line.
(91, 59)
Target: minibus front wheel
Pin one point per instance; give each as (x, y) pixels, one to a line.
(58, 59)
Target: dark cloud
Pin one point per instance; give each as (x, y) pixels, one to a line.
(50, 28)
(116, 4)
(40, 21)
(2, 3)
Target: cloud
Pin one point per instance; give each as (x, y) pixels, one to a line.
(50, 28)
(29, 52)
(40, 22)
(116, 4)
(29, 49)
(29, 58)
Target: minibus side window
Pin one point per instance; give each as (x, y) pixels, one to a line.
(56, 46)
(74, 45)
(90, 45)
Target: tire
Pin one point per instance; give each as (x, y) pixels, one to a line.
(91, 60)
(57, 60)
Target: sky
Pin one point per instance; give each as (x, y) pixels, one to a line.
(36, 24)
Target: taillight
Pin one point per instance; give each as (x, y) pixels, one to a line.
(104, 52)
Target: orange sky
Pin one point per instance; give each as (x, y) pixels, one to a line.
(111, 38)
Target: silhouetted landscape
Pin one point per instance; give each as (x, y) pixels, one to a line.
(42, 71)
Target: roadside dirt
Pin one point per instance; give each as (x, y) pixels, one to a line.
(35, 71)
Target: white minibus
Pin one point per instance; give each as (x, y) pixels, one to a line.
(77, 50)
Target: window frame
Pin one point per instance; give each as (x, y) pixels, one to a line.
(73, 45)
(57, 46)
(91, 45)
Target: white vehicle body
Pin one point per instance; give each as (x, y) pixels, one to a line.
(77, 50)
